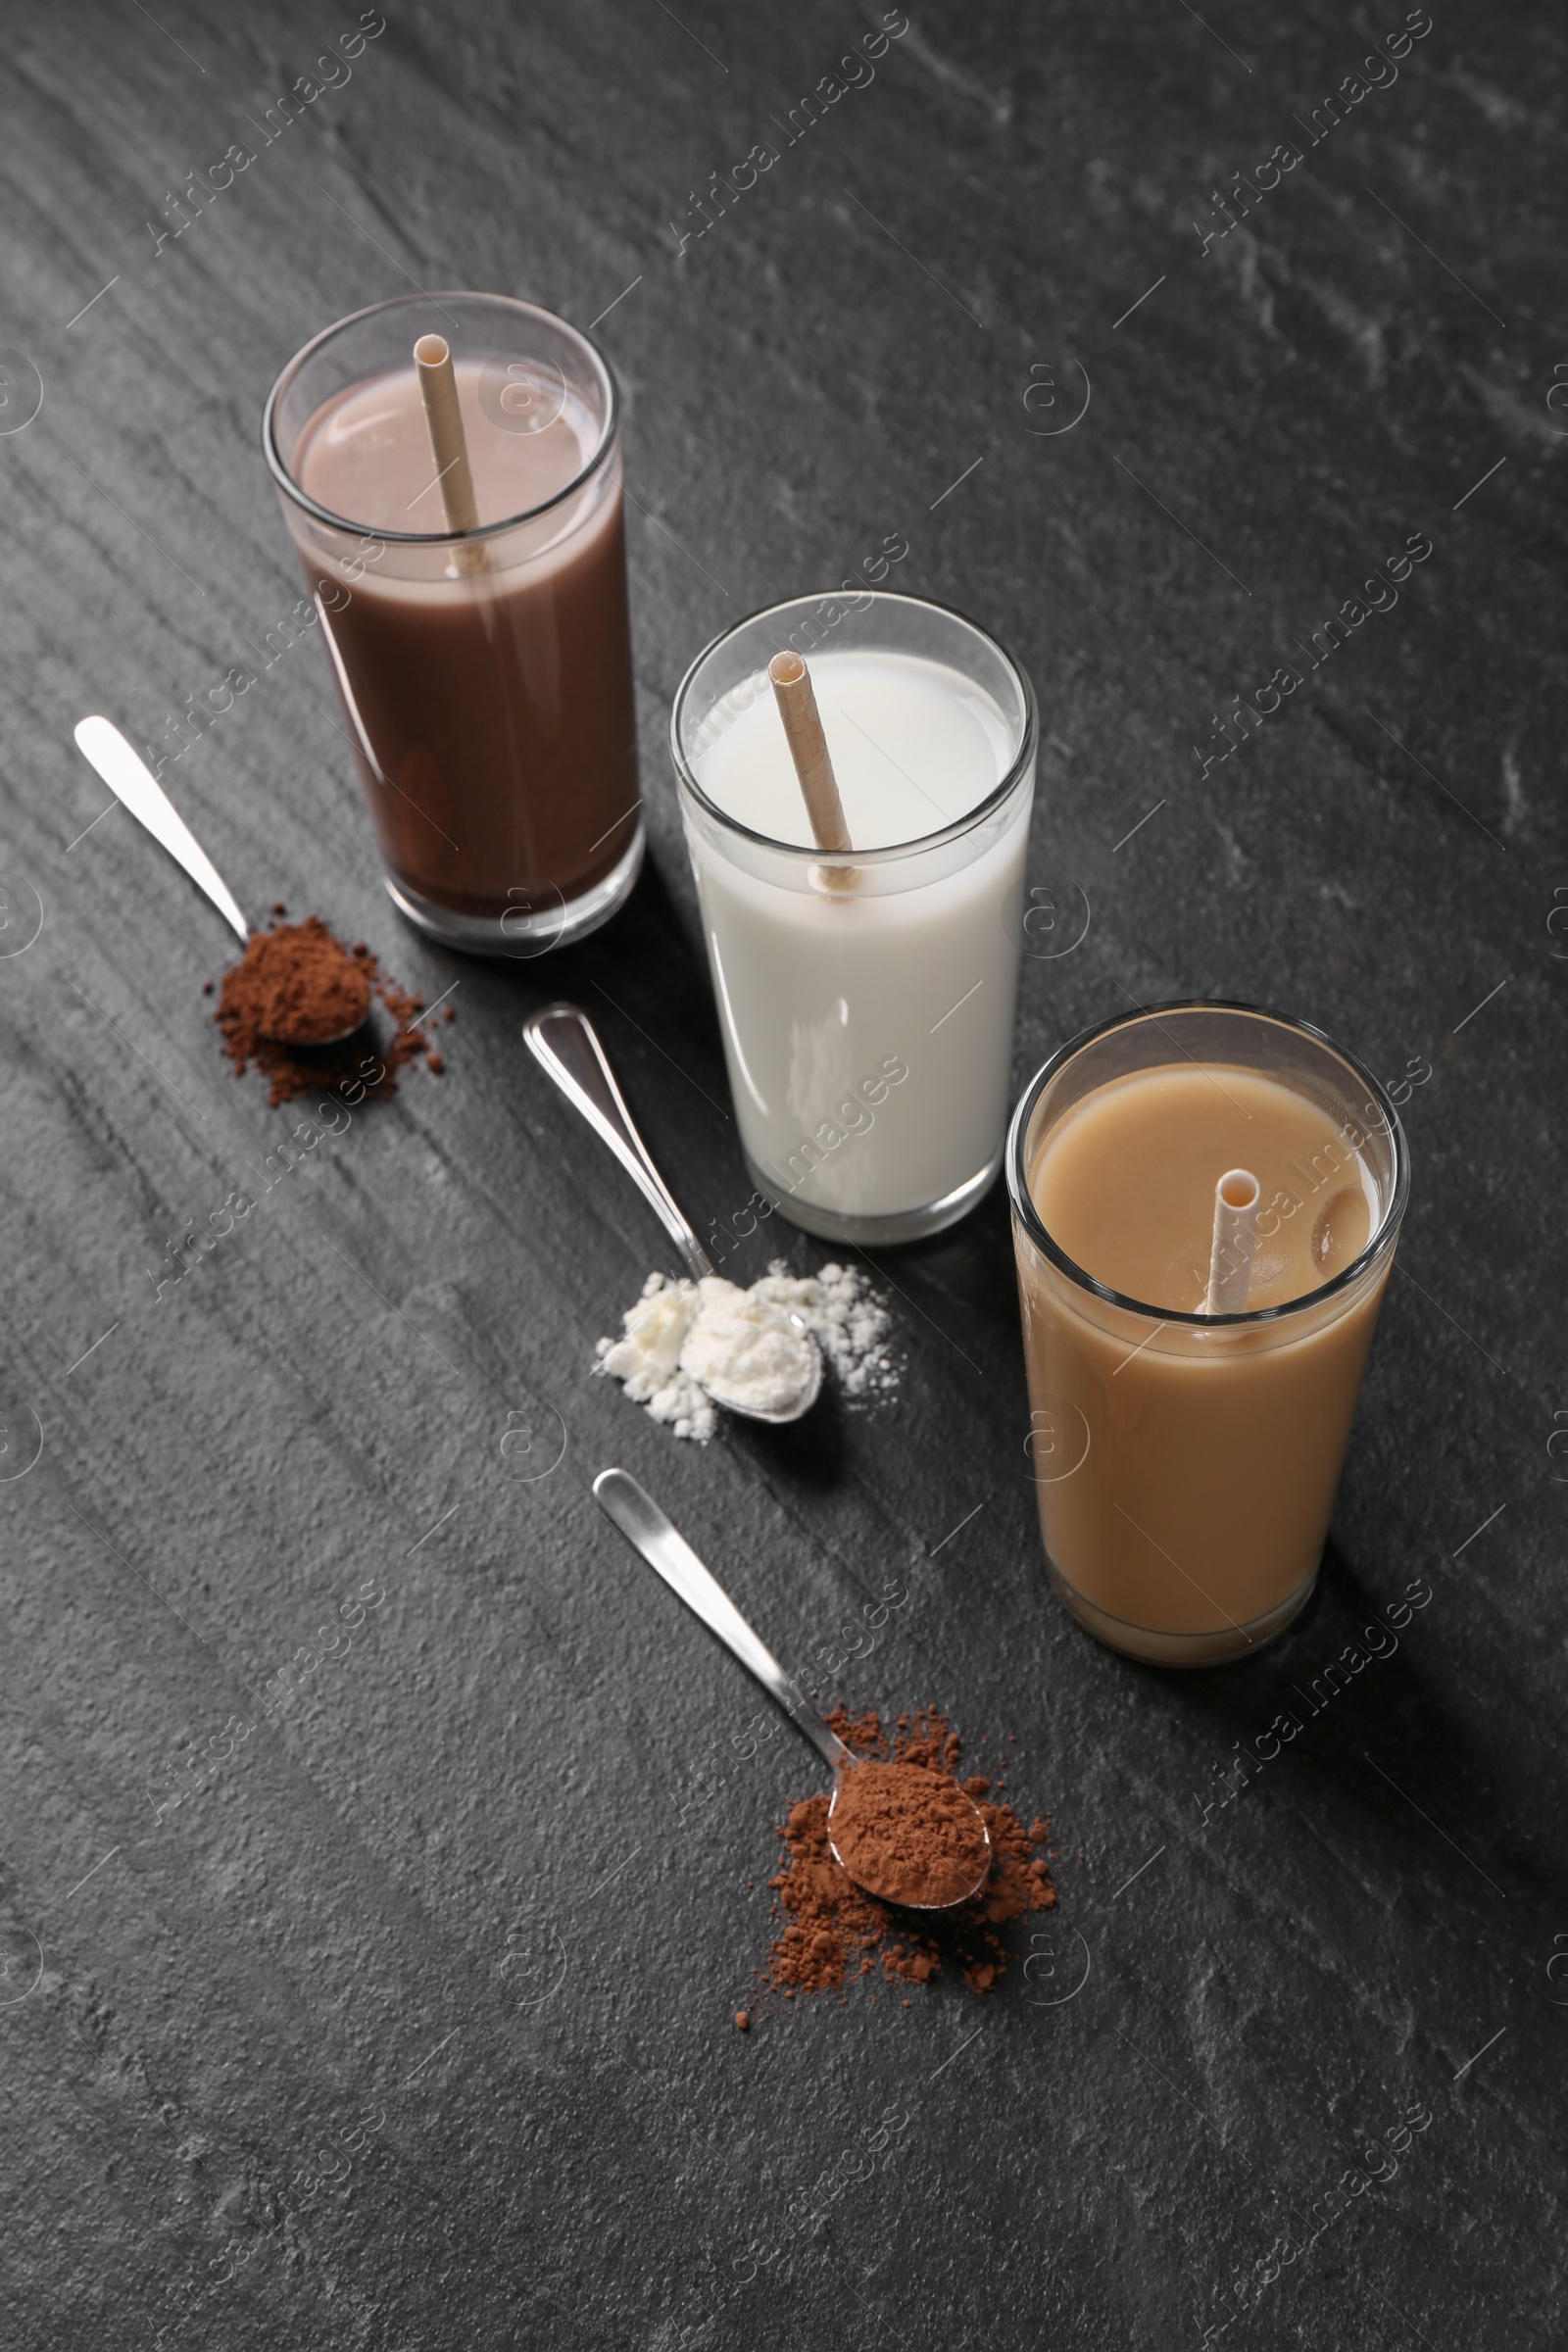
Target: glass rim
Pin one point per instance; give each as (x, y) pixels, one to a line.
(1026, 1215)
(807, 853)
(301, 496)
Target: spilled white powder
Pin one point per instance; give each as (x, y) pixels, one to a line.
(846, 1319)
(647, 1358)
(682, 1339)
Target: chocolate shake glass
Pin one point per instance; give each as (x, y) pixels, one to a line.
(483, 667)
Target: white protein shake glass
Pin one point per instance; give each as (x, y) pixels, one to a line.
(866, 996)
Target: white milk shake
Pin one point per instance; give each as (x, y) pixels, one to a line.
(868, 1025)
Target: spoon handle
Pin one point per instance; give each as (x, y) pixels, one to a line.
(132, 782)
(564, 1042)
(644, 1527)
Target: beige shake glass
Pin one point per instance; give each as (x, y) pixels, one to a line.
(1186, 1460)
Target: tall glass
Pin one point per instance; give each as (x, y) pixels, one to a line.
(485, 674)
(865, 997)
(1186, 1463)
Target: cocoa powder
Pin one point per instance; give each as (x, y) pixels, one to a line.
(909, 1834)
(297, 983)
(831, 1931)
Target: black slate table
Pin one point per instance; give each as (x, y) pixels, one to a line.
(409, 2024)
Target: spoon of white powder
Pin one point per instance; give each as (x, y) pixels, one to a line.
(687, 1345)
(749, 1352)
(684, 1344)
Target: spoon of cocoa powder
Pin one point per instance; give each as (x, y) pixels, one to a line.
(905, 1833)
(302, 986)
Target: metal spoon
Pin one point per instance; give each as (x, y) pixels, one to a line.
(566, 1044)
(644, 1527)
(133, 784)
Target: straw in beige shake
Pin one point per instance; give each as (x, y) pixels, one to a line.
(1230, 1262)
(813, 767)
(438, 388)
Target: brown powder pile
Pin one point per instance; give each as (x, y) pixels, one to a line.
(295, 984)
(300, 985)
(908, 1834)
(831, 1930)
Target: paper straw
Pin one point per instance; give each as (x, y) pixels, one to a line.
(813, 767)
(1230, 1260)
(438, 389)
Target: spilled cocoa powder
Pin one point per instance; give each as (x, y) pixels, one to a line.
(832, 1931)
(296, 983)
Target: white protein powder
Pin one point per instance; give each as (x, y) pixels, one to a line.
(744, 1351)
(847, 1320)
(647, 1358)
(682, 1339)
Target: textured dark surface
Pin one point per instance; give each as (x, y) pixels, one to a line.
(463, 1883)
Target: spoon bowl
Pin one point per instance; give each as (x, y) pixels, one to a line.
(800, 1404)
(281, 1001)
(631, 1508)
(966, 1870)
(800, 1400)
(133, 784)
